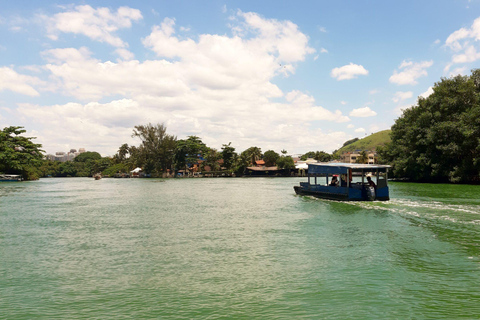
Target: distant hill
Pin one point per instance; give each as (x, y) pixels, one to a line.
(368, 143)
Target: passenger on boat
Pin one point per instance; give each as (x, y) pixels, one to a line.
(334, 182)
(371, 183)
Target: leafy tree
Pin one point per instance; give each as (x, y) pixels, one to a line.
(89, 155)
(187, 151)
(286, 162)
(363, 158)
(253, 154)
(229, 156)
(322, 156)
(270, 157)
(157, 148)
(309, 154)
(438, 140)
(211, 157)
(18, 154)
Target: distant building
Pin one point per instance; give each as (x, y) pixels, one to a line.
(62, 156)
(351, 157)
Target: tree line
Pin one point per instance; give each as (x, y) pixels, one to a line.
(158, 154)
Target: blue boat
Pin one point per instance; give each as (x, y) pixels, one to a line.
(346, 182)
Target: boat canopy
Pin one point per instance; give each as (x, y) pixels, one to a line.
(343, 168)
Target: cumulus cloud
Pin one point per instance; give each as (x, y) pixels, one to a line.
(427, 93)
(218, 87)
(19, 83)
(464, 43)
(362, 112)
(360, 130)
(98, 24)
(347, 72)
(400, 96)
(410, 72)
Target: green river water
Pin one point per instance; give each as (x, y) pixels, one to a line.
(235, 248)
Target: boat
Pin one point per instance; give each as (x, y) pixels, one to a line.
(10, 177)
(353, 183)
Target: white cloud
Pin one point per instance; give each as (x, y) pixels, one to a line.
(215, 86)
(400, 96)
(464, 42)
(323, 50)
(427, 93)
(362, 112)
(374, 91)
(98, 24)
(19, 83)
(411, 71)
(360, 130)
(399, 110)
(350, 126)
(350, 71)
(322, 29)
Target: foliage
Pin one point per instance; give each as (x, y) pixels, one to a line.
(321, 156)
(116, 168)
(270, 157)
(363, 158)
(285, 162)
(211, 157)
(229, 156)
(156, 151)
(86, 156)
(187, 151)
(438, 140)
(18, 154)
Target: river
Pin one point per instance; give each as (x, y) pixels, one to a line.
(241, 248)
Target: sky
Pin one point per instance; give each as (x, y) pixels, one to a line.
(280, 75)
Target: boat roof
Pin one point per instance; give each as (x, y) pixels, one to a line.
(339, 167)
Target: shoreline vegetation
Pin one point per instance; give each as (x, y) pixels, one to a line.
(437, 140)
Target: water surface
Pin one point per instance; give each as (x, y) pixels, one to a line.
(76, 248)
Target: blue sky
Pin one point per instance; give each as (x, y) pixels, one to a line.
(300, 76)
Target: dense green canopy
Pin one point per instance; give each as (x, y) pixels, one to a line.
(18, 154)
(438, 140)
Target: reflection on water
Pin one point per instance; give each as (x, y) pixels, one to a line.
(235, 248)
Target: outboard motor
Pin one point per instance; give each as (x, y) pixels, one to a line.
(370, 193)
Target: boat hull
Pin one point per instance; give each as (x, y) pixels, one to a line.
(336, 196)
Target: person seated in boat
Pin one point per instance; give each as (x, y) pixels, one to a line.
(343, 180)
(334, 182)
(371, 183)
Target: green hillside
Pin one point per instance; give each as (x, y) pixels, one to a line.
(368, 143)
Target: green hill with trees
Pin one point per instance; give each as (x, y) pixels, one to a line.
(370, 142)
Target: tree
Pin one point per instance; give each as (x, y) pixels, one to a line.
(270, 157)
(229, 156)
(211, 157)
(285, 162)
(438, 140)
(188, 151)
(253, 153)
(18, 154)
(322, 156)
(89, 155)
(309, 154)
(363, 158)
(157, 148)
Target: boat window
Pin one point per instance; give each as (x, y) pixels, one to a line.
(382, 180)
